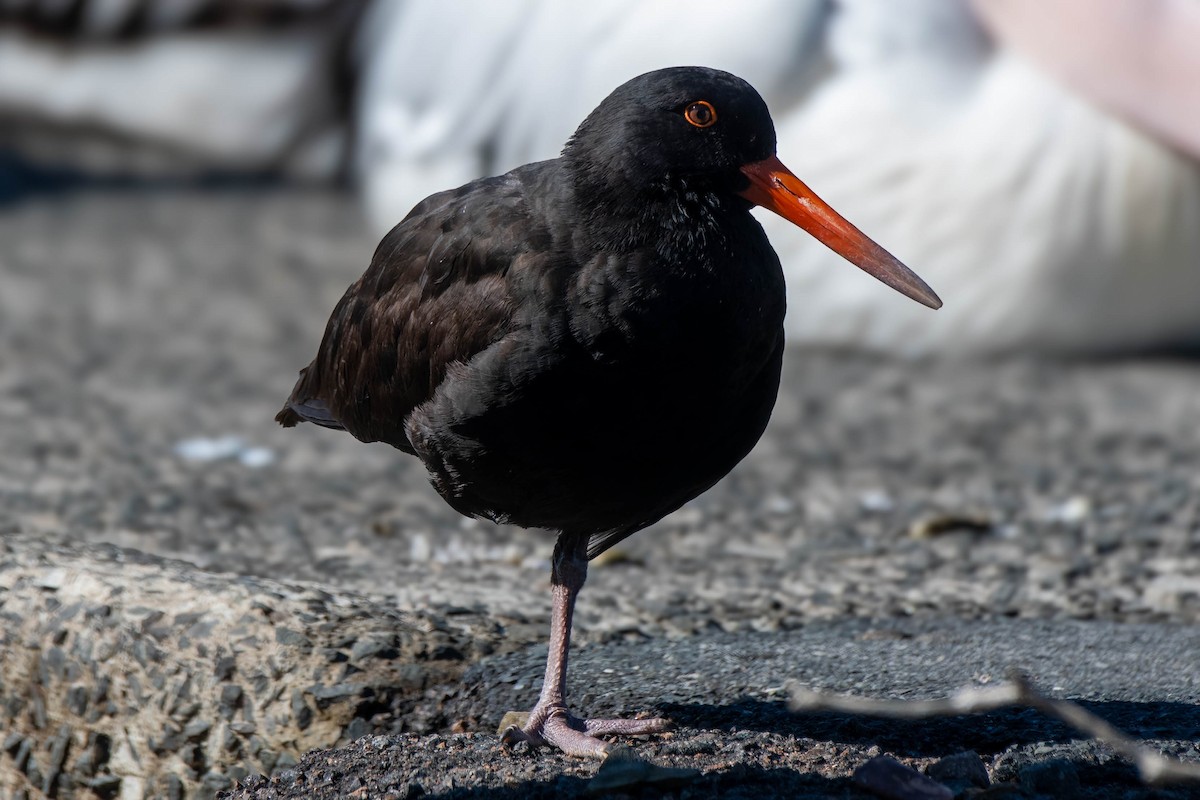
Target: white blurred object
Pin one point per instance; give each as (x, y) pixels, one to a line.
(187, 92)
(204, 449)
(237, 85)
(1044, 223)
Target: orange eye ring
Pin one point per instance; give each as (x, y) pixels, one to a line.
(701, 114)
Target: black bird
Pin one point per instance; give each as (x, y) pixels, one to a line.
(587, 343)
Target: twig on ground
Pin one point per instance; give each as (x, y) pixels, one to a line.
(1154, 768)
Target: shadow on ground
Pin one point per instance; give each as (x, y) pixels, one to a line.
(740, 781)
(986, 734)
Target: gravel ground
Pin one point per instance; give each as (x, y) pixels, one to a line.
(147, 338)
(749, 746)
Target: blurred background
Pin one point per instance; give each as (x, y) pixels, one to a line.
(188, 186)
(1035, 162)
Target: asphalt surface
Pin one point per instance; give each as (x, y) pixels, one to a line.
(148, 337)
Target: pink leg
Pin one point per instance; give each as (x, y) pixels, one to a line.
(550, 722)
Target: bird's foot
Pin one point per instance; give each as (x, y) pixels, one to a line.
(558, 727)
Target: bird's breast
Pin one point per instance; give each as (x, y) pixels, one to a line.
(696, 321)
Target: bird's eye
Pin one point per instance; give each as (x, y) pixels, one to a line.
(701, 114)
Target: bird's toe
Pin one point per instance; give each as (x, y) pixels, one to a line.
(571, 734)
(626, 727)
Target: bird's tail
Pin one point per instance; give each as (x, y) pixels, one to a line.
(303, 407)
(288, 417)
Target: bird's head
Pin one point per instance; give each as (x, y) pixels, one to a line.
(689, 123)
(712, 130)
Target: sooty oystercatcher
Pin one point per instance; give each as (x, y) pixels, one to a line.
(585, 344)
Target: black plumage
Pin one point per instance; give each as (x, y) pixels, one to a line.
(582, 344)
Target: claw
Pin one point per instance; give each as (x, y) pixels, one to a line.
(513, 736)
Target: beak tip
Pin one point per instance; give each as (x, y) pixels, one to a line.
(909, 284)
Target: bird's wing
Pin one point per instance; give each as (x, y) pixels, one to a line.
(434, 296)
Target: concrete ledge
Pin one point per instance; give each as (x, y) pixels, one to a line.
(126, 675)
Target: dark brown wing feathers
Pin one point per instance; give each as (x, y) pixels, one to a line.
(433, 296)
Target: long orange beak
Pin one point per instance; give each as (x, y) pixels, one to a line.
(773, 186)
